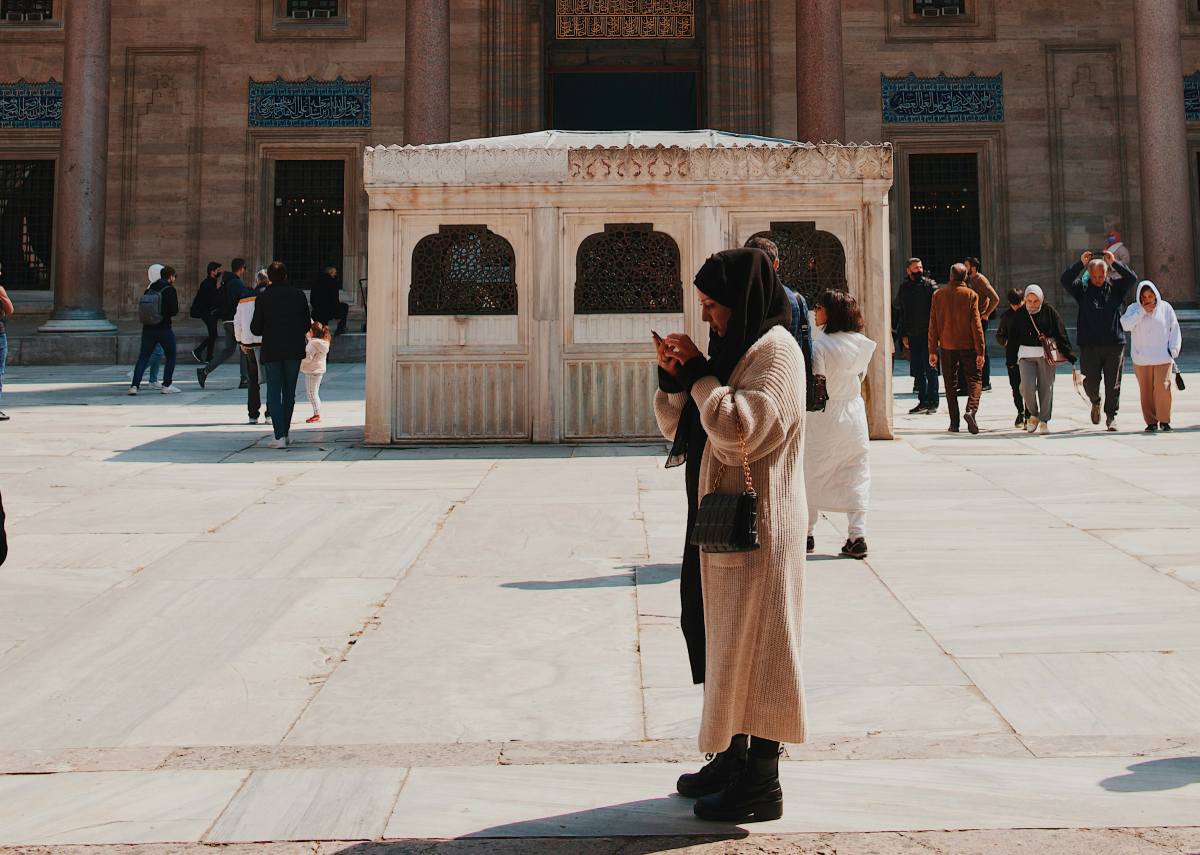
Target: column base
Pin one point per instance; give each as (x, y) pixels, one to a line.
(79, 322)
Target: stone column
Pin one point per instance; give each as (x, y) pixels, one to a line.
(426, 71)
(81, 190)
(820, 83)
(1162, 141)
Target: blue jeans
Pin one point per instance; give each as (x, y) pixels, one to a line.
(156, 359)
(3, 359)
(281, 393)
(925, 375)
(152, 339)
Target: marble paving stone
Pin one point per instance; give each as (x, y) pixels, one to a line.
(1093, 694)
(833, 796)
(82, 760)
(673, 712)
(398, 475)
(34, 603)
(310, 804)
(184, 511)
(157, 663)
(82, 551)
(113, 807)
(470, 659)
(664, 657)
(658, 590)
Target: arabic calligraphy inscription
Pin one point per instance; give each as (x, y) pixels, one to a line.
(29, 106)
(625, 19)
(311, 104)
(942, 100)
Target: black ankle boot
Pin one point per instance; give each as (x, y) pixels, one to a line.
(754, 795)
(717, 773)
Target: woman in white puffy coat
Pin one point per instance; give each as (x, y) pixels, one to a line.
(1156, 340)
(837, 472)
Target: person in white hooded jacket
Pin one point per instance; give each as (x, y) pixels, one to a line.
(837, 472)
(1156, 340)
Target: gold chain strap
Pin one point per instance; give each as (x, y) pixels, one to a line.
(720, 471)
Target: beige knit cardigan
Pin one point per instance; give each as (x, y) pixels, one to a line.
(753, 600)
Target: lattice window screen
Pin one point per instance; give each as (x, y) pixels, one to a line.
(810, 261)
(628, 269)
(463, 270)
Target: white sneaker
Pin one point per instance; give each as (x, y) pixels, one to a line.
(1043, 428)
(171, 390)
(154, 384)
(133, 390)
(278, 443)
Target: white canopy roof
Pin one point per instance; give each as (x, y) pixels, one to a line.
(618, 139)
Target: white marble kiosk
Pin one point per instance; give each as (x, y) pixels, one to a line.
(541, 372)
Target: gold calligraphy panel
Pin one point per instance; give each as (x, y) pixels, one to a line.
(625, 19)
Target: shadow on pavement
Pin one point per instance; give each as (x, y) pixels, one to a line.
(1170, 773)
(650, 574)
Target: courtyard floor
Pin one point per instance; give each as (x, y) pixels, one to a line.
(335, 648)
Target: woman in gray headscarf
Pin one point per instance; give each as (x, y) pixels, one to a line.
(1031, 326)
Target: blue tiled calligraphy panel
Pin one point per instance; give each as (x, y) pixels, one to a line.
(942, 100)
(311, 104)
(1191, 96)
(31, 105)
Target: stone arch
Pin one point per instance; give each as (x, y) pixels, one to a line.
(628, 269)
(810, 261)
(463, 270)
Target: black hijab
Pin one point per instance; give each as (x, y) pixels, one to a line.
(744, 281)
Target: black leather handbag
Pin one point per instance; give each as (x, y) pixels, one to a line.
(818, 394)
(728, 522)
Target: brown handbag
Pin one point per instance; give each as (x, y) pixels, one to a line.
(1050, 350)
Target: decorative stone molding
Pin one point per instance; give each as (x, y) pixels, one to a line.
(408, 165)
(310, 103)
(942, 100)
(26, 105)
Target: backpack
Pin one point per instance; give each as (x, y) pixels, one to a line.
(814, 386)
(150, 308)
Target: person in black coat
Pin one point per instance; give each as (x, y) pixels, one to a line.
(327, 302)
(1026, 334)
(160, 332)
(1016, 303)
(282, 318)
(912, 307)
(204, 308)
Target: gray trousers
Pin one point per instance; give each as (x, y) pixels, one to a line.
(1107, 360)
(1037, 387)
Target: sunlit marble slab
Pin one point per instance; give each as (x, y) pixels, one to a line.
(310, 804)
(113, 807)
(832, 796)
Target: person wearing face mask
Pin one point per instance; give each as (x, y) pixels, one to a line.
(748, 398)
(912, 305)
(1156, 341)
(1029, 327)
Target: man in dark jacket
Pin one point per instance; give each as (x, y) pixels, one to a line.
(1099, 335)
(1016, 303)
(282, 318)
(911, 306)
(204, 308)
(230, 293)
(327, 302)
(157, 306)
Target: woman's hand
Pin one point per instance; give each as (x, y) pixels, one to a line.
(666, 358)
(682, 347)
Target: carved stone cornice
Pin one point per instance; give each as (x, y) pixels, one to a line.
(396, 166)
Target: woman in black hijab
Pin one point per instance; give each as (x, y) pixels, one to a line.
(740, 612)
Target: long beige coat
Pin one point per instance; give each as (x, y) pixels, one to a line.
(753, 600)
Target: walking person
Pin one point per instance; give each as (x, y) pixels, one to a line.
(313, 366)
(1156, 340)
(251, 348)
(749, 395)
(956, 340)
(989, 302)
(231, 292)
(153, 274)
(157, 306)
(837, 473)
(6, 311)
(204, 309)
(327, 302)
(1100, 287)
(1027, 337)
(281, 317)
(914, 300)
(1016, 303)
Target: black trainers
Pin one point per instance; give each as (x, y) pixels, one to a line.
(1019, 422)
(1165, 427)
(1111, 424)
(4, 418)
(972, 425)
(201, 377)
(856, 548)
(715, 775)
(811, 545)
(917, 410)
(987, 387)
(952, 429)
(1151, 428)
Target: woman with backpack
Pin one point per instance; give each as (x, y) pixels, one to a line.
(1156, 339)
(156, 307)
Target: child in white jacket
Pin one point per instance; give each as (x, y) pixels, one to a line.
(313, 366)
(1156, 341)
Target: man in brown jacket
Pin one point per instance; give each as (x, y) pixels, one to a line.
(955, 330)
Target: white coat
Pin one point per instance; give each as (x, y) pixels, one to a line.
(1155, 337)
(837, 474)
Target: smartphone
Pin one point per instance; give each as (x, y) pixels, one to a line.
(658, 339)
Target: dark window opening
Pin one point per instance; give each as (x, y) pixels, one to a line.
(19, 11)
(943, 191)
(628, 269)
(939, 8)
(312, 8)
(26, 223)
(309, 216)
(810, 261)
(463, 270)
(625, 100)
